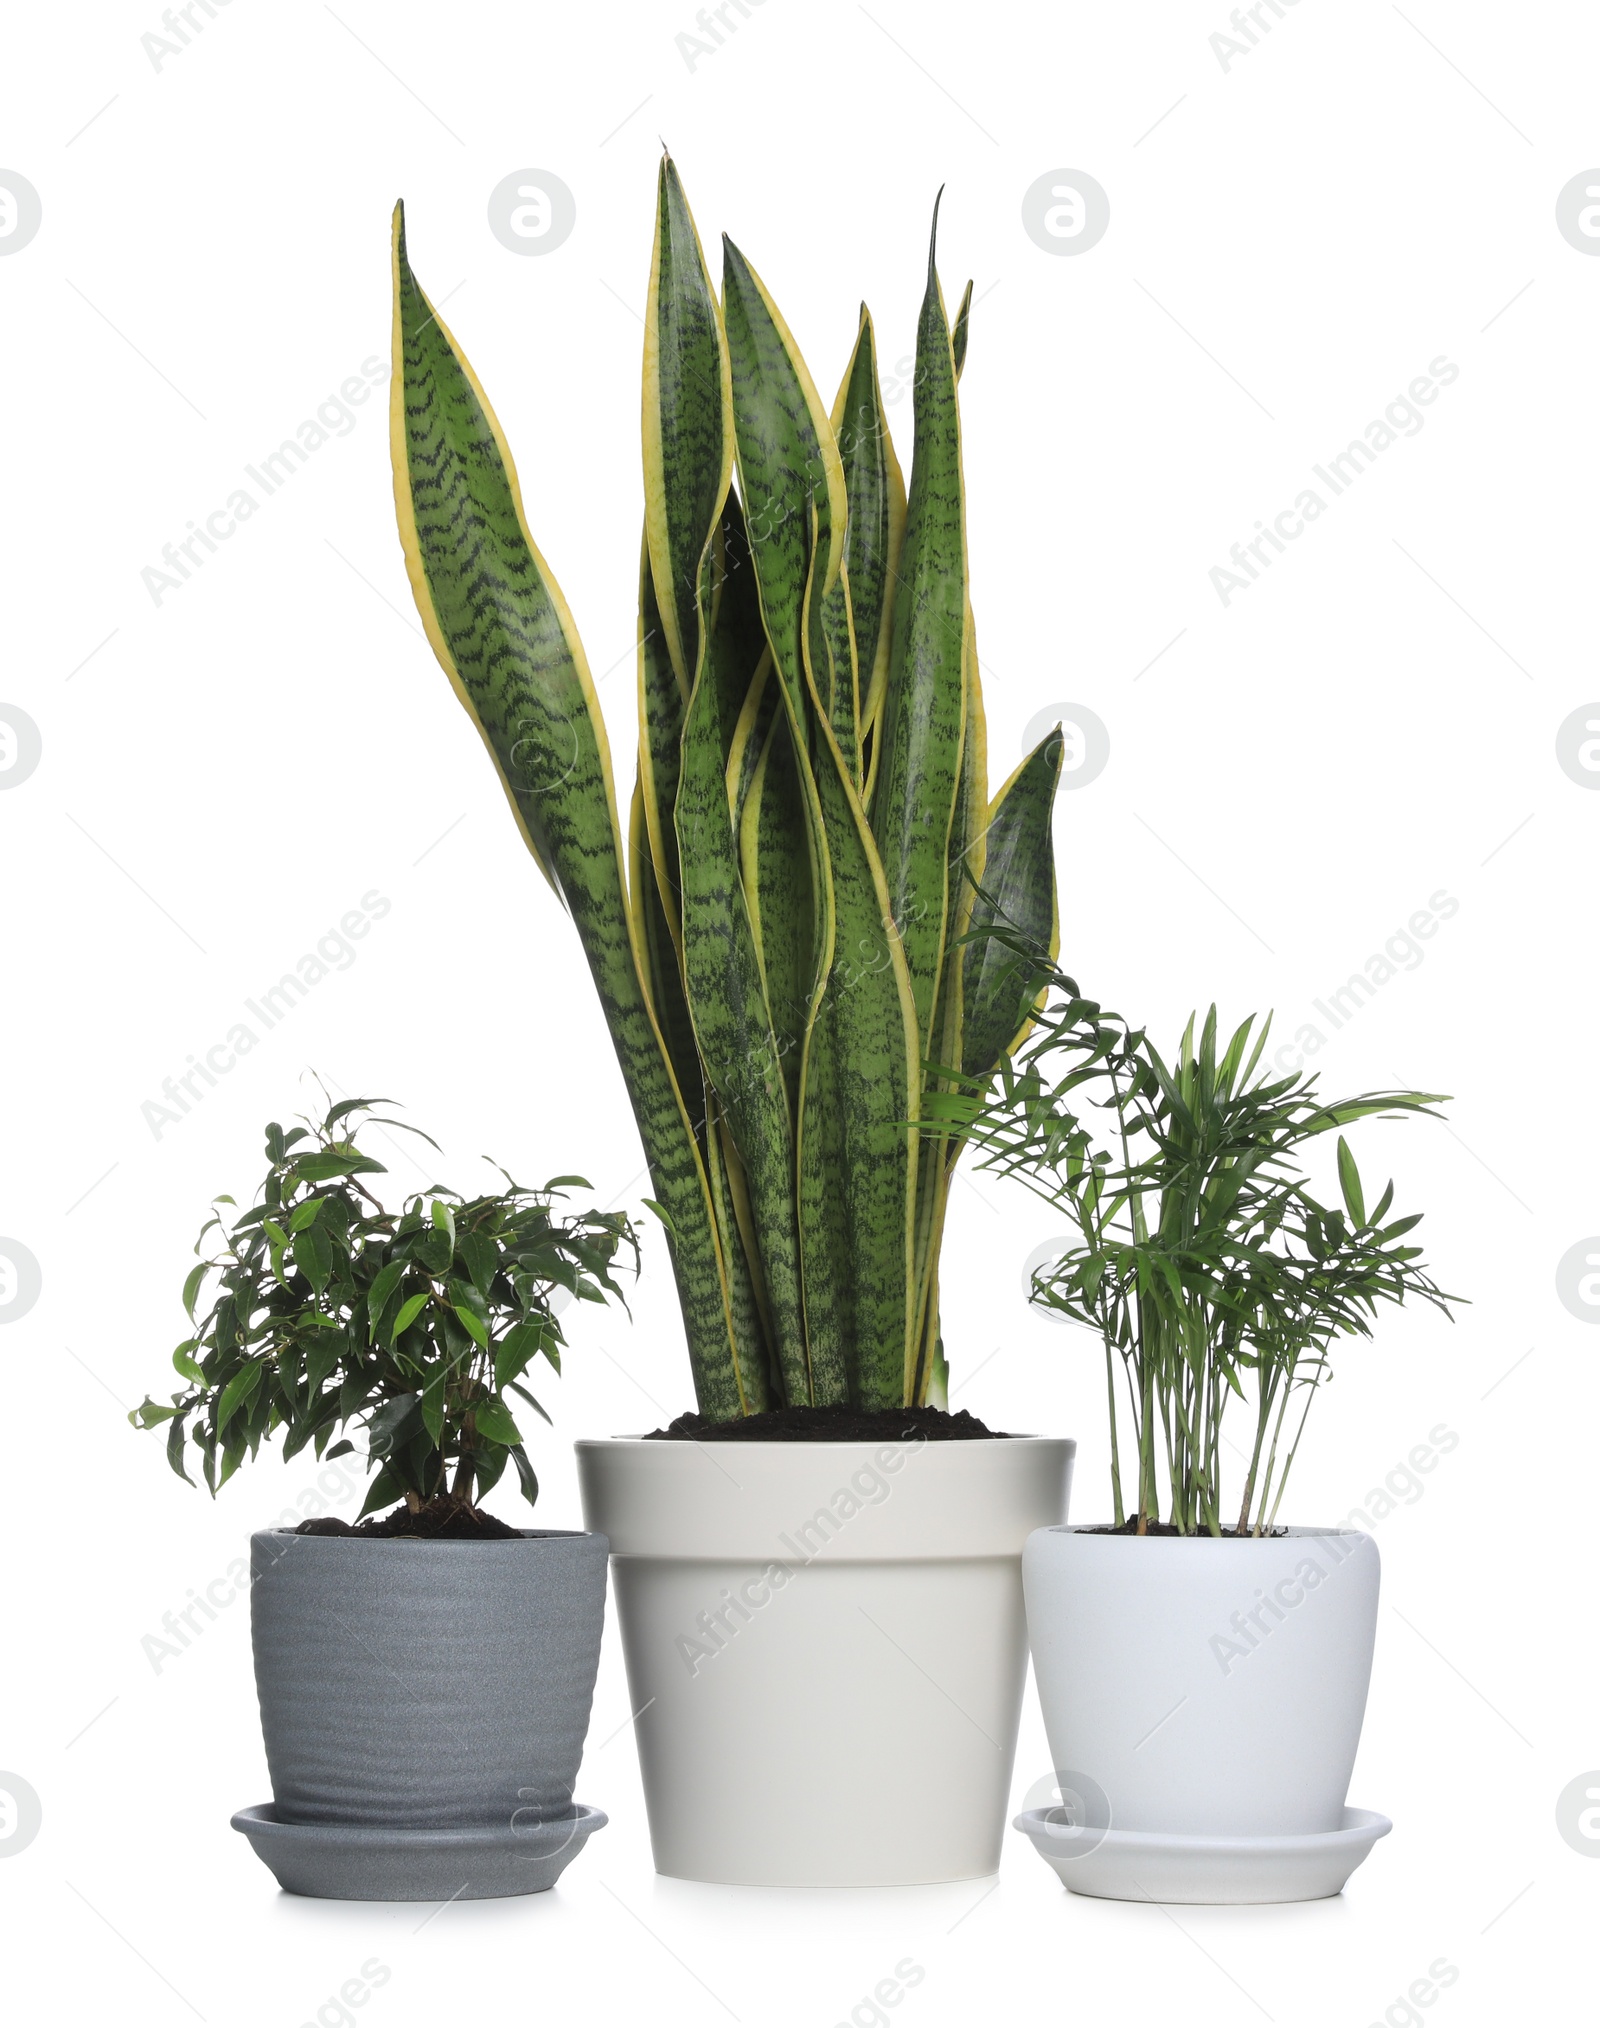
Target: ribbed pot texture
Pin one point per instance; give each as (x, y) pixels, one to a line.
(425, 1685)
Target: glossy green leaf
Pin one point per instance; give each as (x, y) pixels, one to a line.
(322, 1168)
(313, 1256)
(431, 1405)
(393, 1422)
(495, 1421)
(175, 1437)
(525, 1473)
(384, 1284)
(481, 1258)
(522, 1343)
(473, 1323)
(239, 1390)
(408, 1313)
(184, 1362)
(193, 1285)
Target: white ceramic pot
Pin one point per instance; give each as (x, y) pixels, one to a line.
(1205, 1688)
(826, 1648)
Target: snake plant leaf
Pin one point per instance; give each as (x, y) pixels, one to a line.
(758, 1386)
(738, 640)
(500, 627)
(924, 701)
(861, 1089)
(840, 693)
(788, 464)
(968, 847)
(958, 337)
(971, 823)
(877, 501)
(663, 967)
(790, 953)
(661, 703)
(688, 446)
(733, 1024)
(736, 645)
(1018, 894)
(826, 1238)
(775, 865)
(936, 1164)
(750, 736)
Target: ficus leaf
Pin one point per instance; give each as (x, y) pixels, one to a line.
(193, 1285)
(324, 1166)
(384, 1284)
(494, 1420)
(530, 1485)
(175, 1451)
(473, 1322)
(238, 1390)
(407, 1315)
(313, 1256)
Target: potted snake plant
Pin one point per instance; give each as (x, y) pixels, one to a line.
(1202, 1664)
(818, 1570)
(424, 1676)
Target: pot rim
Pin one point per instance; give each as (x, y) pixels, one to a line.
(1292, 1532)
(435, 1542)
(673, 1500)
(788, 1444)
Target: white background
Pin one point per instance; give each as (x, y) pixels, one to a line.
(225, 774)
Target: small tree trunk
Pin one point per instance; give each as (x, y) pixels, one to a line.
(461, 1485)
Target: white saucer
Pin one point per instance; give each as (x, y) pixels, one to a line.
(1166, 1866)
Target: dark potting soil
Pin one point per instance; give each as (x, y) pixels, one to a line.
(1131, 1527)
(440, 1520)
(829, 1426)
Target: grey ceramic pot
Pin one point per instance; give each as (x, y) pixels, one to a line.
(424, 1706)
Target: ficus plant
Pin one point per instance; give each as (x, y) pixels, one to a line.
(1198, 1252)
(320, 1309)
(777, 934)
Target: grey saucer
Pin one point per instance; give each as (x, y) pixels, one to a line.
(364, 1862)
